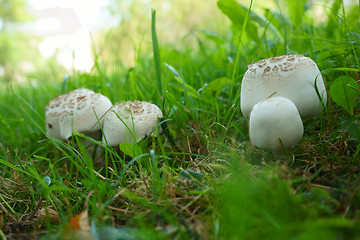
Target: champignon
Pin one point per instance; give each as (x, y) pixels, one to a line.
(78, 110)
(130, 122)
(290, 76)
(275, 119)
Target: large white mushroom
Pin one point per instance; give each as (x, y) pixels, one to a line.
(78, 110)
(290, 76)
(272, 120)
(130, 122)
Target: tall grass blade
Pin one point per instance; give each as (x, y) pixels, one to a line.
(296, 10)
(233, 10)
(156, 51)
(283, 20)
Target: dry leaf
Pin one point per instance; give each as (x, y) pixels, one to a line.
(79, 227)
(48, 213)
(80, 221)
(1, 219)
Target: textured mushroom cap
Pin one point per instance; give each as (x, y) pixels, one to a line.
(274, 118)
(127, 120)
(290, 76)
(74, 111)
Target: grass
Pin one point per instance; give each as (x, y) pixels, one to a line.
(201, 179)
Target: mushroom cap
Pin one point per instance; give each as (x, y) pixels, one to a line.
(274, 118)
(290, 76)
(75, 111)
(127, 120)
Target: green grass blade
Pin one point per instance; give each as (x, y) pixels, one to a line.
(156, 51)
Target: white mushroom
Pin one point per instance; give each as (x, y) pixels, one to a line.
(130, 122)
(290, 76)
(78, 110)
(275, 119)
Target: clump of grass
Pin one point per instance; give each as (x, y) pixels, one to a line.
(202, 179)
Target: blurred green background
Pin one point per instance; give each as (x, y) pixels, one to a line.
(123, 28)
(122, 31)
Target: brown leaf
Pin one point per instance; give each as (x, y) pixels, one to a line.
(80, 222)
(48, 213)
(1, 219)
(18, 227)
(79, 227)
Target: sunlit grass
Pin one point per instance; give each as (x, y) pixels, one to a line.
(201, 178)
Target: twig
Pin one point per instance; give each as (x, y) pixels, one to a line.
(32, 214)
(99, 175)
(7, 213)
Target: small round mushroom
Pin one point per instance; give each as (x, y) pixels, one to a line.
(130, 122)
(290, 76)
(275, 119)
(75, 111)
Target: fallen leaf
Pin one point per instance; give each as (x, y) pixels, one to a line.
(1, 219)
(79, 227)
(18, 227)
(80, 221)
(48, 213)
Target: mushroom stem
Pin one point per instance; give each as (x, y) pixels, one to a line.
(279, 155)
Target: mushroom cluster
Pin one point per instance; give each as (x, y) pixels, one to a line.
(85, 111)
(277, 93)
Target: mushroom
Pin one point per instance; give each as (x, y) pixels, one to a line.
(275, 122)
(78, 110)
(290, 76)
(130, 122)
